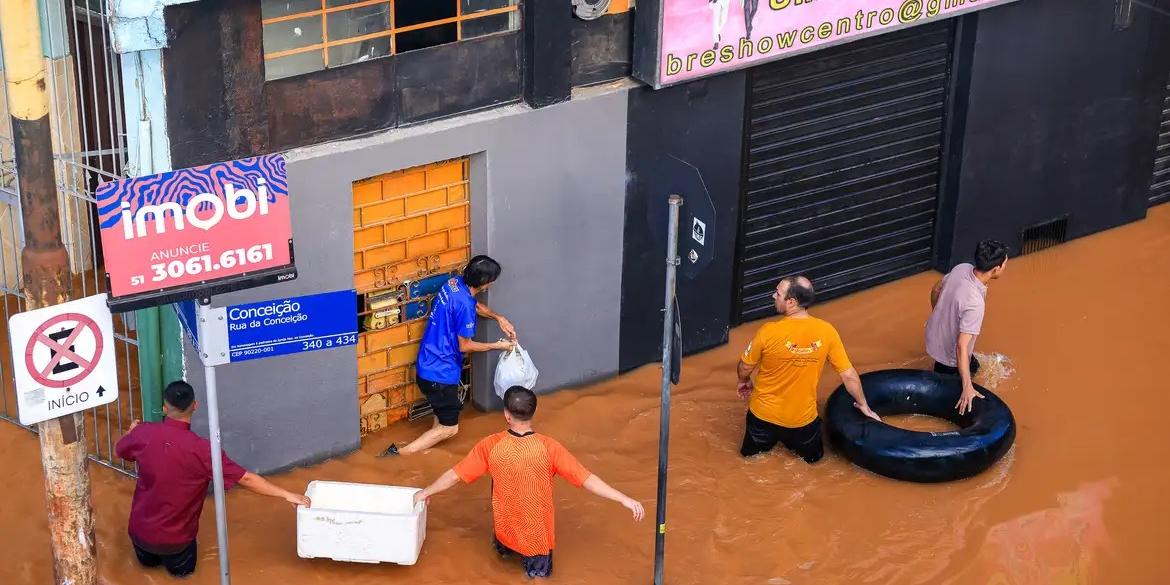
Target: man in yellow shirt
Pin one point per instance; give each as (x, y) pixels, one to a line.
(790, 355)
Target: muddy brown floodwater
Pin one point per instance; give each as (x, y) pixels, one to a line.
(1081, 498)
(920, 423)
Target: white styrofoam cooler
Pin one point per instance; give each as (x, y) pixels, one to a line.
(361, 523)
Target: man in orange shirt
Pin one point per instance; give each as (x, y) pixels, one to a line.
(790, 355)
(522, 465)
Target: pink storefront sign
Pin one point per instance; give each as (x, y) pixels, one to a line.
(682, 40)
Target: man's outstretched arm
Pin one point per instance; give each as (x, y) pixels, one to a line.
(598, 487)
(444, 483)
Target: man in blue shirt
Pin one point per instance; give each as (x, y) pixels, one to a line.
(448, 336)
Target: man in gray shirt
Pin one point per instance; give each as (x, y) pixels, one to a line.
(958, 300)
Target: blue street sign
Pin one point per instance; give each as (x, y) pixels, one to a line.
(271, 328)
(298, 324)
(188, 319)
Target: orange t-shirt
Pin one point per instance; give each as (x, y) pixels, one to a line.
(791, 354)
(522, 470)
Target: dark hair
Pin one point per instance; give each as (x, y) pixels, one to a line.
(520, 402)
(989, 254)
(179, 395)
(480, 271)
(800, 289)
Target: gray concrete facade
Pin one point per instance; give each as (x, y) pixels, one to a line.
(547, 200)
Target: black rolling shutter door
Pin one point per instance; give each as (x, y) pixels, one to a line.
(843, 159)
(1160, 185)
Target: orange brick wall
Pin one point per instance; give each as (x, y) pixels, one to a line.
(407, 225)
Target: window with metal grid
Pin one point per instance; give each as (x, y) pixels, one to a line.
(302, 36)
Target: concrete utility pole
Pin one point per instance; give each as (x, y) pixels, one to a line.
(45, 266)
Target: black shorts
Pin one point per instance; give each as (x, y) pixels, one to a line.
(761, 436)
(534, 566)
(179, 564)
(444, 399)
(949, 371)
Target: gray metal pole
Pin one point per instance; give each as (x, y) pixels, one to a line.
(672, 262)
(216, 461)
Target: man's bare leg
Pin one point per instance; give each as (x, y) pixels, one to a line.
(435, 435)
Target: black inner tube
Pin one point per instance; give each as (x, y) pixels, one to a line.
(985, 435)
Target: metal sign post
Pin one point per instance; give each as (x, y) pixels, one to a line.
(250, 331)
(672, 262)
(203, 311)
(197, 232)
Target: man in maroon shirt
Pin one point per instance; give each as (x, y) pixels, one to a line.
(174, 471)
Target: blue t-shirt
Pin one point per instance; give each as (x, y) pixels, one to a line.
(452, 317)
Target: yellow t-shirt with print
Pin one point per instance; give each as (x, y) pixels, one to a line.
(791, 355)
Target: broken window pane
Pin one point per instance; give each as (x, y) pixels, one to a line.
(427, 37)
(359, 51)
(411, 12)
(292, 34)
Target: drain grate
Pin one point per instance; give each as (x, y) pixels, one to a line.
(1044, 235)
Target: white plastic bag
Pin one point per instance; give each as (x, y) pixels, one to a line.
(515, 369)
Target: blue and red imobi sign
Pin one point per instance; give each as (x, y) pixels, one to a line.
(195, 232)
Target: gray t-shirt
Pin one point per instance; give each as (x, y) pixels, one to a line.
(959, 310)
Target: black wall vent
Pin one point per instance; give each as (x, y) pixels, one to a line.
(1044, 235)
(1160, 184)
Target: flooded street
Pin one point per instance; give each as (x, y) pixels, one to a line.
(1080, 499)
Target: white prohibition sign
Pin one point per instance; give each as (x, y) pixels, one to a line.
(63, 357)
